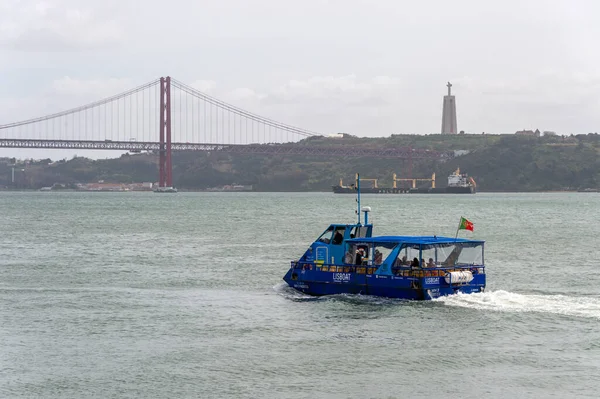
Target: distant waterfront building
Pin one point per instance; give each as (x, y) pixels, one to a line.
(458, 153)
(528, 133)
(449, 113)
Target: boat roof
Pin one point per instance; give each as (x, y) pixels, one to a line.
(412, 240)
(351, 224)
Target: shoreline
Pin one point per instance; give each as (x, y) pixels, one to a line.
(592, 191)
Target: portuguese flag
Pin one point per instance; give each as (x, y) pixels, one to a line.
(465, 224)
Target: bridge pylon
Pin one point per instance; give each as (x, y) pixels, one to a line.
(165, 167)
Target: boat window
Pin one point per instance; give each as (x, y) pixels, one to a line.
(382, 251)
(460, 253)
(356, 253)
(338, 236)
(359, 231)
(326, 236)
(407, 253)
(430, 256)
(471, 254)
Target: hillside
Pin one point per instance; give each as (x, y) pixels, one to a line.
(497, 163)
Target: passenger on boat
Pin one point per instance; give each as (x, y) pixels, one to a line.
(415, 262)
(337, 238)
(401, 261)
(378, 257)
(360, 253)
(348, 258)
(430, 263)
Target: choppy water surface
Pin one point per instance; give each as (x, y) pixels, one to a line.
(144, 295)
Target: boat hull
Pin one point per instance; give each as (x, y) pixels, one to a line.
(420, 285)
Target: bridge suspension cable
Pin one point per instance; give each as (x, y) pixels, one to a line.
(84, 107)
(240, 112)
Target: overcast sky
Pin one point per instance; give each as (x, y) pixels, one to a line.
(370, 68)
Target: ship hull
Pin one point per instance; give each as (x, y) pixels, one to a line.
(461, 190)
(319, 283)
(384, 190)
(350, 190)
(445, 190)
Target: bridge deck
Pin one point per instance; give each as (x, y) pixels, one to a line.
(290, 149)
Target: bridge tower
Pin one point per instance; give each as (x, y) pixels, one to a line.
(165, 168)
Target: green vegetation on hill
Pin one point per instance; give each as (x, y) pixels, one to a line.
(496, 162)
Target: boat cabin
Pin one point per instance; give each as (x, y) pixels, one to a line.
(330, 247)
(390, 255)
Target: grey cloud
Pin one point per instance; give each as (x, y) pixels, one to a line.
(48, 40)
(58, 25)
(364, 67)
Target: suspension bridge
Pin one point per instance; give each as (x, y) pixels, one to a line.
(188, 120)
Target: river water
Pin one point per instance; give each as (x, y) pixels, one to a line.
(142, 295)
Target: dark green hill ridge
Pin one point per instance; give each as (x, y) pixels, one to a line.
(496, 162)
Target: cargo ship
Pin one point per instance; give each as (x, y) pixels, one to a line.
(457, 184)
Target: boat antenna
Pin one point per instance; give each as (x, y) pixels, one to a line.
(358, 196)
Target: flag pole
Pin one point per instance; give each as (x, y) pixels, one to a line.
(358, 196)
(458, 228)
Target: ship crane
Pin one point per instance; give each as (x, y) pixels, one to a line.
(414, 181)
(363, 179)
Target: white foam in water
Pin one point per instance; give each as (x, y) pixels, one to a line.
(284, 289)
(504, 301)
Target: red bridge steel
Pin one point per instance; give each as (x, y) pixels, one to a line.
(210, 119)
(266, 149)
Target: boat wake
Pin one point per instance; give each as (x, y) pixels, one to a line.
(503, 301)
(289, 293)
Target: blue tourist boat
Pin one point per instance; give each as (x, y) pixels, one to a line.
(348, 259)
